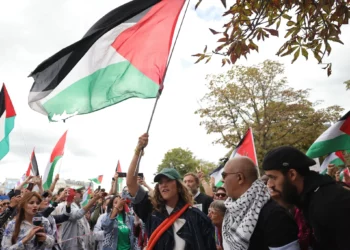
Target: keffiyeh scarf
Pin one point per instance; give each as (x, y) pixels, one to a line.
(242, 216)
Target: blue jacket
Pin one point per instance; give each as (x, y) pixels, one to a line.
(110, 228)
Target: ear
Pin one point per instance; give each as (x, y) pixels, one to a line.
(292, 175)
(241, 178)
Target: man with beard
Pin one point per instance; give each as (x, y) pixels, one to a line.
(252, 219)
(325, 204)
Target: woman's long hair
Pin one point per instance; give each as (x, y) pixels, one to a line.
(21, 213)
(110, 206)
(158, 202)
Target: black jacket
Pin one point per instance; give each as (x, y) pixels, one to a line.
(205, 201)
(275, 228)
(198, 231)
(326, 207)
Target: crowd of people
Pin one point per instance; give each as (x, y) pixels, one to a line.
(289, 208)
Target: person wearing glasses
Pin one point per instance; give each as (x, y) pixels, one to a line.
(5, 201)
(252, 219)
(220, 194)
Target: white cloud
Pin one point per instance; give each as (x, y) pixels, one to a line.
(96, 141)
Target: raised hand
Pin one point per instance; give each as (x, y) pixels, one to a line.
(143, 141)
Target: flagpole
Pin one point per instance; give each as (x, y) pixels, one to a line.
(161, 87)
(257, 164)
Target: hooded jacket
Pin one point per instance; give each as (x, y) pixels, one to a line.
(326, 207)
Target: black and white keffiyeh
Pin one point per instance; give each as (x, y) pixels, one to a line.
(242, 216)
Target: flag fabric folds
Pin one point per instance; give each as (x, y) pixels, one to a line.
(245, 147)
(336, 158)
(335, 138)
(87, 196)
(55, 160)
(33, 169)
(123, 55)
(7, 121)
(97, 180)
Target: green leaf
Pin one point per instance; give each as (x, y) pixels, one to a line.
(285, 16)
(205, 49)
(296, 55)
(278, 23)
(199, 54)
(335, 39)
(304, 53)
(318, 57)
(290, 23)
(289, 51)
(200, 59)
(208, 59)
(290, 31)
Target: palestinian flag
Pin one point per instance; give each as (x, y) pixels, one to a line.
(97, 180)
(87, 196)
(7, 121)
(33, 169)
(56, 157)
(120, 180)
(123, 55)
(245, 147)
(335, 138)
(336, 158)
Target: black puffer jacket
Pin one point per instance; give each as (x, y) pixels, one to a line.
(198, 231)
(326, 207)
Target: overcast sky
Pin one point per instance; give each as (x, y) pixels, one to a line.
(31, 31)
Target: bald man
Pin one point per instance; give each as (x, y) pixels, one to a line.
(252, 219)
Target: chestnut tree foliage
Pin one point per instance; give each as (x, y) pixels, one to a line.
(312, 26)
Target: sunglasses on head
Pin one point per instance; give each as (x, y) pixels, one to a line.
(6, 203)
(220, 194)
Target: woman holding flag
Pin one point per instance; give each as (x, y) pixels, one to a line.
(171, 221)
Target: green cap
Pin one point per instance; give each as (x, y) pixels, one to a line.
(171, 173)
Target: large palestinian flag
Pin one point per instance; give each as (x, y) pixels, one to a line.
(335, 138)
(7, 121)
(245, 147)
(123, 55)
(56, 157)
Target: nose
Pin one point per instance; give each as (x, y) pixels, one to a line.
(270, 184)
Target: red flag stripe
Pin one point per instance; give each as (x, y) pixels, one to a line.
(59, 148)
(246, 146)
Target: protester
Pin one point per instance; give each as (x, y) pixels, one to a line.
(75, 233)
(220, 194)
(324, 203)
(118, 226)
(202, 201)
(216, 214)
(187, 228)
(253, 220)
(21, 233)
(7, 213)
